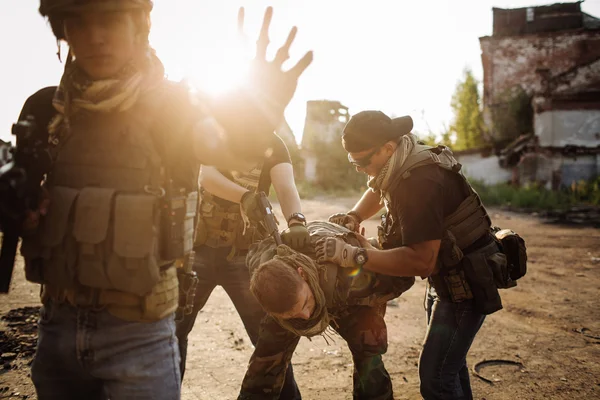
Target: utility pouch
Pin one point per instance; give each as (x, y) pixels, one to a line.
(513, 246)
(480, 274)
(177, 224)
(457, 285)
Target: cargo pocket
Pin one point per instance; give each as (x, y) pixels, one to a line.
(92, 218)
(50, 254)
(481, 279)
(133, 265)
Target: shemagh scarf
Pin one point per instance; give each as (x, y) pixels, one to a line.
(381, 181)
(77, 92)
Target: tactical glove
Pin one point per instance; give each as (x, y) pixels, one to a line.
(296, 236)
(349, 221)
(250, 205)
(337, 251)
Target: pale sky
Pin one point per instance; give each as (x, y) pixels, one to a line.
(402, 57)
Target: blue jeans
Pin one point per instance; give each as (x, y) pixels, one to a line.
(89, 354)
(443, 364)
(214, 269)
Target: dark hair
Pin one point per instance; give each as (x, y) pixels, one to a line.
(276, 285)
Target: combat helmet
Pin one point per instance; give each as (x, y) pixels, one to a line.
(55, 10)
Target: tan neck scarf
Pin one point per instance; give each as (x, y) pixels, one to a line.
(78, 92)
(319, 320)
(381, 181)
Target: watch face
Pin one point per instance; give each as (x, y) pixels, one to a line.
(299, 217)
(361, 257)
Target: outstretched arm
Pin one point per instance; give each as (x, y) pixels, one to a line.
(282, 177)
(217, 184)
(368, 205)
(244, 120)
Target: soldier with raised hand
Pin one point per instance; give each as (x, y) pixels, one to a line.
(229, 222)
(126, 147)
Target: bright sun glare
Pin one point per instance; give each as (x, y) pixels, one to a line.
(221, 68)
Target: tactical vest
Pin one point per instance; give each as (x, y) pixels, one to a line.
(342, 286)
(220, 221)
(468, 223)
(463, 272)
(100, 243)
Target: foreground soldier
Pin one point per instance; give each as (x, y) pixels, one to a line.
(304, 298)
(435, 227)
(228, 223)
(126, 146)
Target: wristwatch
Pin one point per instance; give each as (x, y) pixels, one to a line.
(297, 217)
(361, 258)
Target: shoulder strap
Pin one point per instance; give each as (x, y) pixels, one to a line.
(428, 155)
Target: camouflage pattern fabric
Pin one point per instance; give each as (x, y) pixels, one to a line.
(362, 326)
(364, 330)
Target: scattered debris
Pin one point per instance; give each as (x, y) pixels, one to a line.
(584, 332)
(586, 216)
(484, 363)
(19, 338)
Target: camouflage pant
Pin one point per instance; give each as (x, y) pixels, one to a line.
(364, 330)
(214, 269)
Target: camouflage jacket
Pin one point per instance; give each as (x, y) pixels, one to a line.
(357, 307)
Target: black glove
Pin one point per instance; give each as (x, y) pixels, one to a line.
(296, 236)
(251, 206)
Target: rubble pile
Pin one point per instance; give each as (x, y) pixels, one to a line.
(18, 336)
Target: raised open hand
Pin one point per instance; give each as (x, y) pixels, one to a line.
(270, 86)
(251, 113)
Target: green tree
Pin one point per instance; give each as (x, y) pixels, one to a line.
(467, 125)
(512, 114)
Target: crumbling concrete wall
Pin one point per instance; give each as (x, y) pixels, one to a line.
(324, 123)
(559, 128)
(484, 169)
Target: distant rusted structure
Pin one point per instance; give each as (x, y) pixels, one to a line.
(325, 120)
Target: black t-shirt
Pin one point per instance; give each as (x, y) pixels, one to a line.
(259, 177)
(422, 201)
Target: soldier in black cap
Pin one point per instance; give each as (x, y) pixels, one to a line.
(436, 228)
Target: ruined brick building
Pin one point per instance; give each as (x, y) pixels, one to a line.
(551, 53)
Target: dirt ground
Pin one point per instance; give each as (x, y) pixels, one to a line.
(550, 324)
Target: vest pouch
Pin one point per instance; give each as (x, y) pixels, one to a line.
(50, 253)
(480, 276)
(243, 241)
(133, 264)
(91, 227)
(499, 266)
(160, 302)
(205, 211)
(515, 250)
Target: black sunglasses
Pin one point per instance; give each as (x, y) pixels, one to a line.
(363, 161)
